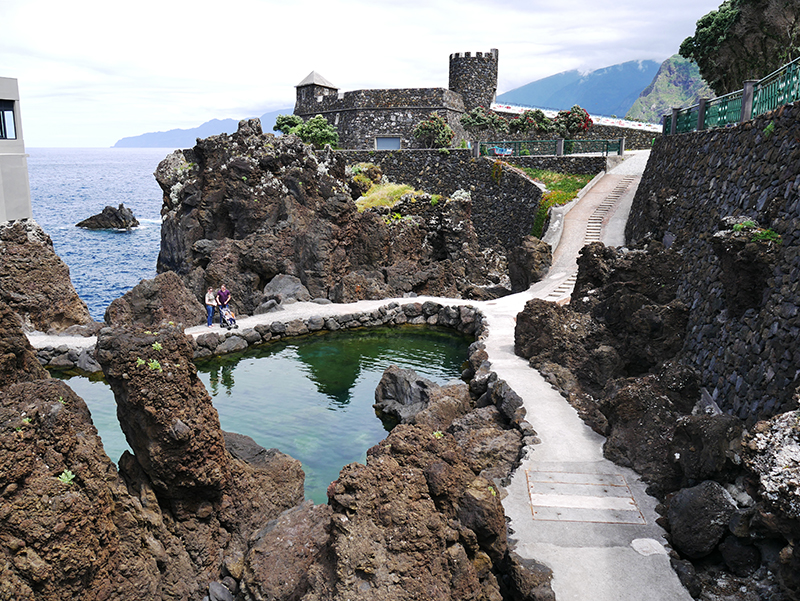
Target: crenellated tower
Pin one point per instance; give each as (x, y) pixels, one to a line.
(474, 76)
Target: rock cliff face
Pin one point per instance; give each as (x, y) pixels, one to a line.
(243, 208)
(194, 510)
(152, 302)
(35, 282)
(614, 352)
(176, 517)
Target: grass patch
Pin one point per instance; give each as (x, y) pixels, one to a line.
(382, 195)
(562, 188)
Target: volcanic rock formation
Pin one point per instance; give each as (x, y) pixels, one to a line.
(240, 209)
(35, 282)
(109, 218)
(614, 352)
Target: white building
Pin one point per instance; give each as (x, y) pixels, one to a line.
(15, 190)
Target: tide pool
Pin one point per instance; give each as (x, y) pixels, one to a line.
(311, 396)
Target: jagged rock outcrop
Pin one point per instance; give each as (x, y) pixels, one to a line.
(109, 218)
(243, 208)
(616, 353)
(528, 263)
(173, 523)
(623, 319)
(153, 302)
(68, 527)
(369, 542)
(698, 518)
(34, 281)
(403, 395)
(18, 362)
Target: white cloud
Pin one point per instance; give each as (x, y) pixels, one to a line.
(91, 72)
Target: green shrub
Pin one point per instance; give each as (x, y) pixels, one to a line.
(562, 188)
(434, 132)
(767, 235)
(383, 195)
(317, 131)
(286, 123)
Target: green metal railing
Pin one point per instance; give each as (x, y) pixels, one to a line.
(777, 89)
(724, 110)
(522, 148)
(549, 147)
(687, 119)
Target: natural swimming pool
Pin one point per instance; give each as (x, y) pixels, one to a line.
(310, 396)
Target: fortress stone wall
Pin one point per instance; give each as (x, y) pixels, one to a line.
(362, 116)
(474, 77)
(746, 351)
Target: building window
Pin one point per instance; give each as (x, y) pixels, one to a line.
(8, 131)
(388, 143)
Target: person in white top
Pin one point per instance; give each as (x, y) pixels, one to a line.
(211, 303)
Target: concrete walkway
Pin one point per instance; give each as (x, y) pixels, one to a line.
(588, 519)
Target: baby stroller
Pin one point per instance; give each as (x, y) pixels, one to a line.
(226, 318)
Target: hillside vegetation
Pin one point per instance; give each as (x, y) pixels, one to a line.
(677, 84)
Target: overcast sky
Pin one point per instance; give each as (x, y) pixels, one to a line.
(93, 71)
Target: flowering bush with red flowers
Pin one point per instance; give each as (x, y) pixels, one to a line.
(434, 132)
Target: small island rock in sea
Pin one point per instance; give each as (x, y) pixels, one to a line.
(121, 218)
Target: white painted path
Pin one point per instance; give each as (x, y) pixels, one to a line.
(586, 518)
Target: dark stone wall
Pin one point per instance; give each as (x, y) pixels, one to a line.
(504, 200)
(748, 357)
(635, 139)
(564, 164)
(361, 115)
(474, 77)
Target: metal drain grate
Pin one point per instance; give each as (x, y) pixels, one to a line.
(578, 497)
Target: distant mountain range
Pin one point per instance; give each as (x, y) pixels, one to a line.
(187, 138)
(677, 84)
(610, 91)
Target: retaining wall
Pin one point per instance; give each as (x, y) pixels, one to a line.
(463, 318)
(635, 139)
(749, 363)
(504, 201)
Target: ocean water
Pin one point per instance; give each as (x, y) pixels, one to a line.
(71, 184)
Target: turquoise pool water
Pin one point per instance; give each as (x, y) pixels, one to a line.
(311, 397)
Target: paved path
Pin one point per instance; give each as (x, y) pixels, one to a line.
(585, 517)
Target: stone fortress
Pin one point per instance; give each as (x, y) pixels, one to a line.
(385, 119)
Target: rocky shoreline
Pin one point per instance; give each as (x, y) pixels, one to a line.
(613, 352)
(194, 511)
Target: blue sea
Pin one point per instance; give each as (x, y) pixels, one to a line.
(71, 184)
